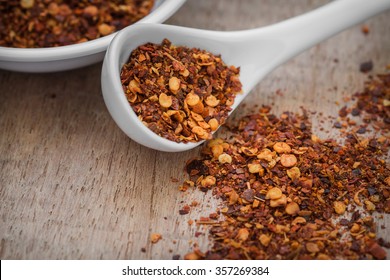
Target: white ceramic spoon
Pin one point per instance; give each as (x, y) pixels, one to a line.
(256, 51)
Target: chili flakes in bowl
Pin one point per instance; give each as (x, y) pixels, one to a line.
(44, 23)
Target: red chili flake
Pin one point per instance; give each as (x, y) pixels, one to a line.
(366, 67)
(365, 29)
(185, 210)
(337, 125)
(343, 112)
(361, 130)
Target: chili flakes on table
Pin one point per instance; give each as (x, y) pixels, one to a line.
(44, 23)
(297, 210)
(182, 94)
(320, 205)
(372, 103)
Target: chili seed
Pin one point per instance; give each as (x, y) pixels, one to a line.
(165, 100)
(192, 99)
(225, 158)
(312, 247)
(274, 193)
(174, 84)
(339, 207)
(26, 4)
(294, 173)
(288, 160)
(278, 202)
(282, 148)
(264, 240)
(292, 208)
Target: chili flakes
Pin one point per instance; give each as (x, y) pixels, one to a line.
(182, 94)
(42, 23)
(289, 212)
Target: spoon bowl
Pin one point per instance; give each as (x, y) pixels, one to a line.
(256, 51)
(41, 60)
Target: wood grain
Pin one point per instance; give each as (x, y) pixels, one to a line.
(73, 186)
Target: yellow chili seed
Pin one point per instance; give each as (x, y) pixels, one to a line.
(105, 29)
(242, 234)
(369, 205)
(91, 10)
(294, 173)
(134, 87)
(211, 101)
(255, 167)
(282, 148)
(165, 100)
(217, 150)
(292, 208)
(27, 4)
(312, 247)
(185, 73)
(233, 197)
(198, 130)
(213, 123)
(274, 193)
(225, 158)
(174, 84)
(264, 239)
(339, 207)
(355, 228)
(298, 220)
(266, 154)
(208, 181)
(288, 160)
(278, 202)
(192, 99)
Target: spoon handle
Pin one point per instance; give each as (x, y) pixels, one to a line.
(297, 34)
(309, 29)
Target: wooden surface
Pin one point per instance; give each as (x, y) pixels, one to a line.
(73, 186)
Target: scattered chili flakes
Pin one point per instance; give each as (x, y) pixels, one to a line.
(42, 23)
(292, 208)
(182, 94)
(374, 101)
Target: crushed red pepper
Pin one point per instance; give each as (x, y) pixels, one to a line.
(182, 94)
(372, 103)
(43, 23)
(287, 194)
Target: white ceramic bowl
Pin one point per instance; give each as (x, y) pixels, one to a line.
(76, 55)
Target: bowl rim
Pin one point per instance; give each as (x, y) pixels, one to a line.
(161, 11)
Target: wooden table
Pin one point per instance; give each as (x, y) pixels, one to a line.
(74, 186)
